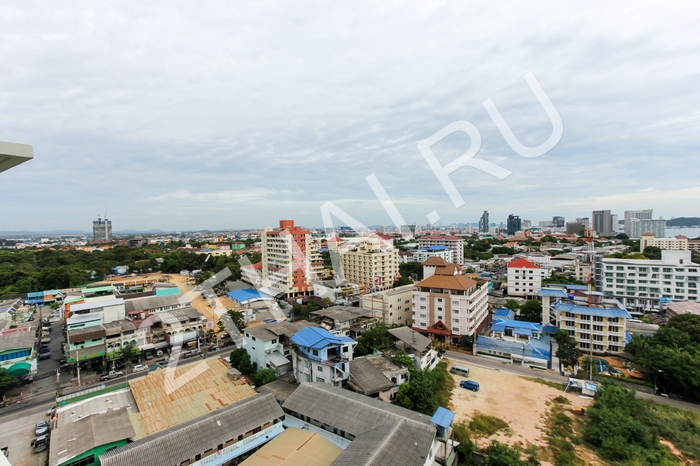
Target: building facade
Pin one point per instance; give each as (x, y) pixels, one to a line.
(513, 224)
(603, 223)
(423, 254)
(525, 277)
(656, 227)
(320, 356)
(102, 230)
(601, 327)
(639, 284)
(638, 214)
(448, 305)
(454, 242)
(484, 222)
(393, 307)
(371, 262)
(677, 243)
(289, 259)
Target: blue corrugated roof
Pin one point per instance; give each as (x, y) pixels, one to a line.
(434, 248)
(592, 311)
(537, 348)
(520, 327)
(317, 338)
(550, 329)
(247, 294)
(552, 293)
(577, 287)
(35, 294)
(443, 417)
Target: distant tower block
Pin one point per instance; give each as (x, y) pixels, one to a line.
(101, 230)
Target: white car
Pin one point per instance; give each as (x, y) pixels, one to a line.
(140, 368)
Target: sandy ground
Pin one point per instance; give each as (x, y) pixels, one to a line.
(519, 402)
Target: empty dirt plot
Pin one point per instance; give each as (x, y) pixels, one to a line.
(521, 403)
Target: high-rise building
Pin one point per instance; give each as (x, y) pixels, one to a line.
(372, 262)
(290, 259)
(640, 214)
(615, 222)
(558, 221)
(603, 223)
(514, 224)
(527, 223)
(484, 222)
(101, 230)
(638, 227)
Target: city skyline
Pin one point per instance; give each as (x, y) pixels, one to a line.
(270, 114)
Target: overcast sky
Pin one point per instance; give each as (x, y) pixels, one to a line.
(174, 115)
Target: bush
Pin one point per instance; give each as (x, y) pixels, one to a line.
(487, 425)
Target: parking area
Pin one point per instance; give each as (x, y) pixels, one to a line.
(17, 433)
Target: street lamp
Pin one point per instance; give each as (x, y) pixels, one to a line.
(656, 389)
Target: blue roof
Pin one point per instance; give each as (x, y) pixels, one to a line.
(443, 417)
(537, 348)
(549, 328)
(247, 294)
(519, 327)
(552, 293)
(35, 294)
(317, 338)
(502, 314)
(592, 311)
(577, 287)
(438, 247)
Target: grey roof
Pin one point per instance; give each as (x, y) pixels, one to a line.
(97, 404)
(75, 438)
(344, 313)
(358, 414)
(387, 367)
(260, 332)
(267, 332)
(185, 441)
(279, 389)
(365, 378)
(390, 444)
(87, 333)
(410, 338)
(18, 337)
(178, 315)
(153, 302)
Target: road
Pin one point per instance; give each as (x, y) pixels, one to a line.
(553, 377)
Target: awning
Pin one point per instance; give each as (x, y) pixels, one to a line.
(19, 368)
(277, 359)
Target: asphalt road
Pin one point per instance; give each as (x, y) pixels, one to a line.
(552, 377)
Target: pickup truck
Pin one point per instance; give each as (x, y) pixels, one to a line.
(111, 375)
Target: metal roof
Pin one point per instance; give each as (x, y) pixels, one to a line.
(394, 434)
(592, 311)
(248, 295)
(295, 447)
(16, 338)
(185, 441)
(154, 302)
(519, 327)
(343, 313)
(95, 304)
(410, 338)
(96, 405)
(279, 389)
(317, 338)
(552, 293)
(365, 378)
(443, 417)
(75, 438)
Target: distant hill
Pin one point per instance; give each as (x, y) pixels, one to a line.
(683, 222)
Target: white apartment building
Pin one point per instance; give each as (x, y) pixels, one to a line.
(371, 262)
(423, 254)
(454, 242)
(252, 273)
(448, 305)
(394, 307)
(638, 227)
(525, 277)
(639, 284)
(677, 243)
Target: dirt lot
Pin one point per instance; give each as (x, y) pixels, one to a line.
(519, 402)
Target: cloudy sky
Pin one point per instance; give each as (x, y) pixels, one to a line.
(175, 115)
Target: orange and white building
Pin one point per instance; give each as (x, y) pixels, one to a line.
(290, 260)
(525, 277)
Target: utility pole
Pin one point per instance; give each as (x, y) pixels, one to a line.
(77, 364)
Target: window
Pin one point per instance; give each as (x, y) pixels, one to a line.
(597, 328)
(422, 316)
(455, 329)
(456, 321)
(585, 326)
(319, 368)
(456, 303)
(597, 319)
(320, 379)
(315, 352)
(439, 317)
(422, 298)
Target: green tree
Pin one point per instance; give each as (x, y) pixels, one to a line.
(129, 352)
(402, 359)
(240, 359)
(264, 376)
(402, 282)
(512, 304)
(652, 252)
(411, 268)
(237, 318)
(500, 454)
(567, 352)
(7, 381)
(375, 339)
(531, 311)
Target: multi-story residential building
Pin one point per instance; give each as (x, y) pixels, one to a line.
(344, 320)
(454, 242)
(371, 262)
(101, 230)
(18, 347)
(448, 305)
(513, 225)
(393, 307)
(252, 273)
(558, 221)
(677, 243)
(603, 223)
(639, 284)
(639, 227)
(85, 338)
(119, 334)
(417, 346)
(525, 277)
(694, 245)
(290, 259)
(484, 222)
(602, 324)
(109, 309)
(269, 345)
(423, 254)
(638, 214)
(320, 356)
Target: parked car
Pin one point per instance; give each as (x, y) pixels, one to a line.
(46, 355)
(469, 385)
(214, 348)
(140, 368)
(2, 404)
(111, 375)
(40, 443)
(44, 349)
(41, 428)
(63, 364)
(191, 354)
